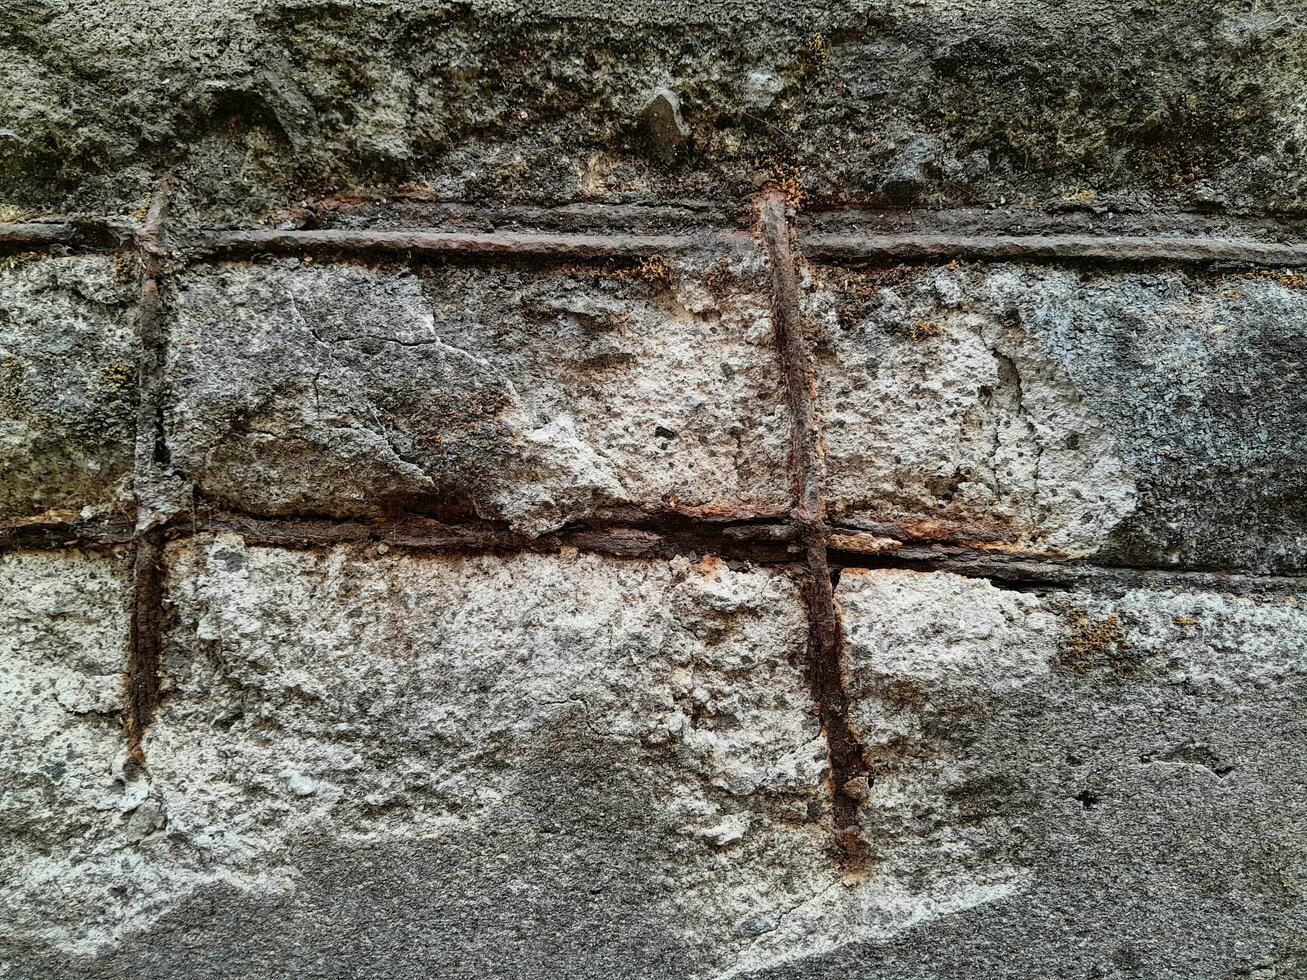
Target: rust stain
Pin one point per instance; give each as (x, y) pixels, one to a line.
(864, 544)
(710, 566)
(145, 640)
(849, 775)
(145, 636)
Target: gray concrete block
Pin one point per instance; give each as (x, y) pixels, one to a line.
(71, 808)
(534, 397)
(1148, 418)
(259, 106)
(67, 386)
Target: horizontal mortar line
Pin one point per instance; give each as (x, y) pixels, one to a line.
(1108, 248)
(416, 242)
(768, 537)
(764, 542)
(110, 234)
(38, 535)
(635, 538)
(1050, 219)
(1035, 571)
(36, 232)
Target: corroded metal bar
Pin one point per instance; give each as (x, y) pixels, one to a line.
(755, 543)
(87, 234)
(805, 444)
(36, 233)
(142, 675)
(825, 648)
(1038, 573)
(774, 541)
(17, 534)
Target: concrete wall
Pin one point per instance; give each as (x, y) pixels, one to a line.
(601, 490)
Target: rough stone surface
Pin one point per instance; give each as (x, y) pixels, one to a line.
(1152, 417)
(67, 385)
(528, 396)
(260, 104)
(487, 766)
(1128, 764)
(539, 765)
(68, 803)
(395, 729)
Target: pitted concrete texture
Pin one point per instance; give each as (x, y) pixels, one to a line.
(534, 397)
(538, 765)
(529, 766)
(435, 437)
(560, 760)
(1149, 418)
(67, 385)
(1129, 759)
(259, 105)
(71, 811)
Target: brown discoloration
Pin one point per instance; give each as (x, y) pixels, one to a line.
(1056, 248)
(668, 537)
(805, 445)
(663, 533)
(1089, 643)
(978, 533)
(864, 544)
(825, 652)
(62, 531)
(142, 675)
(655, 270)
(826, 676)
(709, 566)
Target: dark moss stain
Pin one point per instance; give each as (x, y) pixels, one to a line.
(1164, 94)
(311, 98)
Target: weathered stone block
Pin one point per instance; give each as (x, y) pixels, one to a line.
(474, 766)
(1148, 417)
(68, 808)
(959, 101)
(1123, 770)
(528, 396)
(67, 385)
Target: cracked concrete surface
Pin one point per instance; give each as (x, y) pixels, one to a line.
(1148, 418)
(530, 397)
(499, 610)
